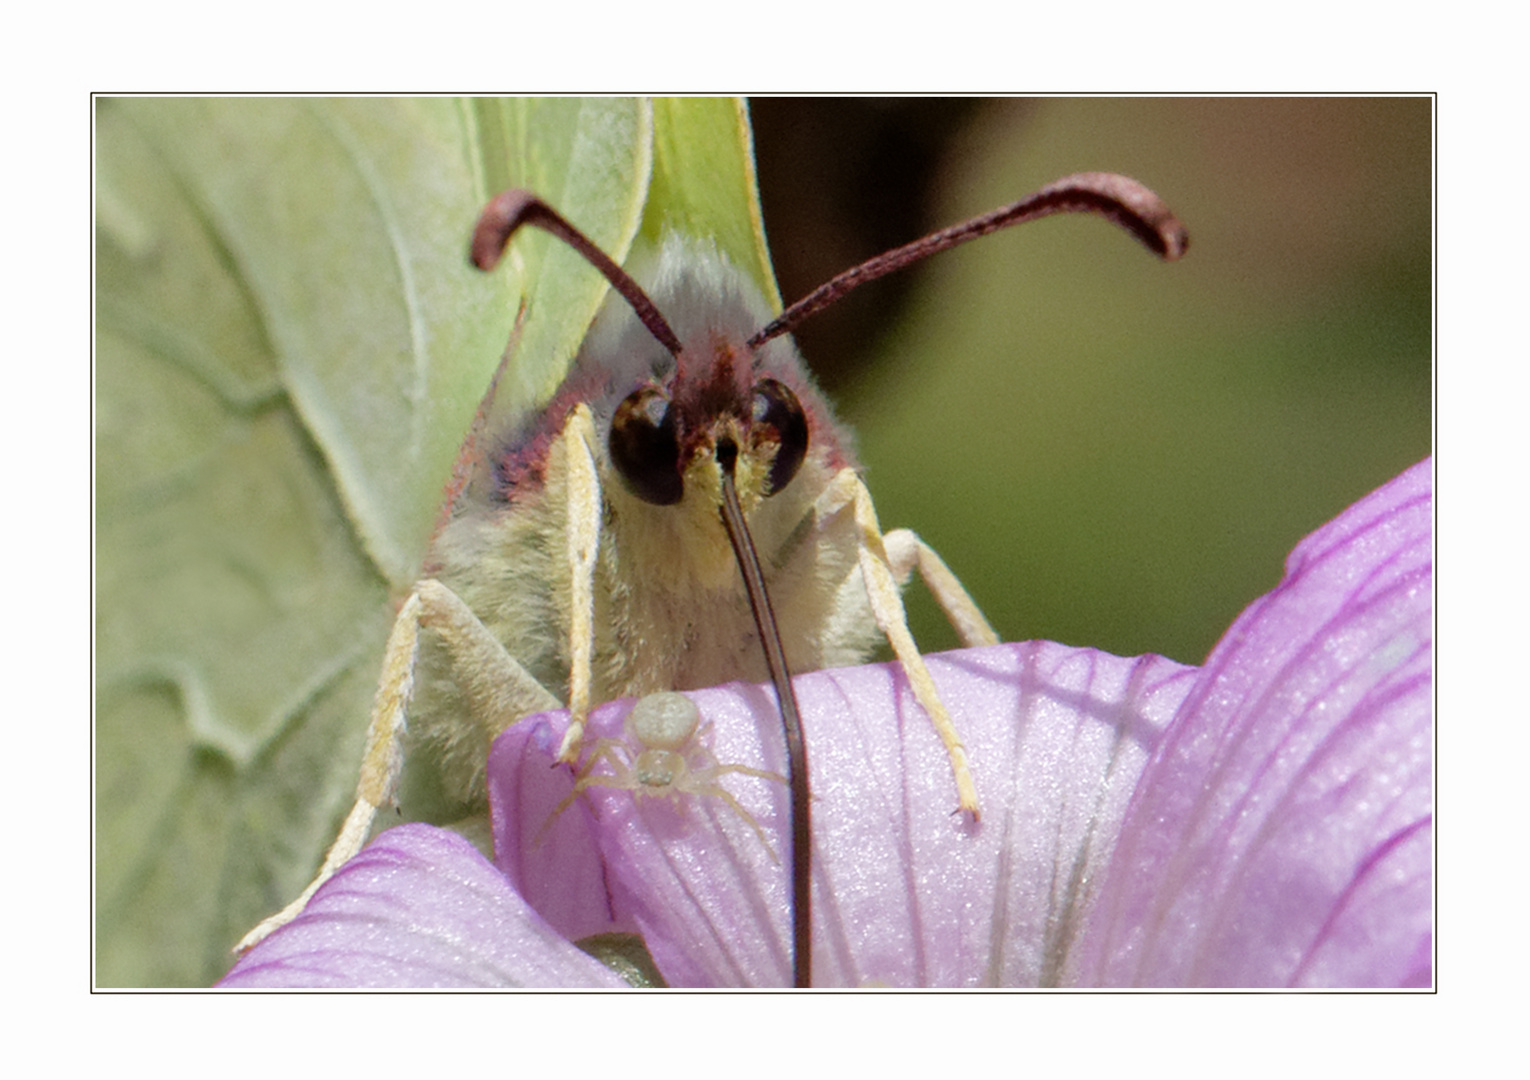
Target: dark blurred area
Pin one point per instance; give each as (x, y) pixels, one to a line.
(1107, 450)
(843, 179)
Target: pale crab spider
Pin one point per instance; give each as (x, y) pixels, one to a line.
(663, 756)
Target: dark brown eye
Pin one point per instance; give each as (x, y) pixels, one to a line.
(645, 449)
(775, 406)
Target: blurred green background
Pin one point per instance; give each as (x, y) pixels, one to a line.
(1110, 451)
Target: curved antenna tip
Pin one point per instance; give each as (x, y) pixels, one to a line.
(509, 210)
(504, 214)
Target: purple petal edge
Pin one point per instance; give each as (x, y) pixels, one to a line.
(418, 907)
(1282, 835)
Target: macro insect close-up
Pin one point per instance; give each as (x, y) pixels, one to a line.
(291, 498)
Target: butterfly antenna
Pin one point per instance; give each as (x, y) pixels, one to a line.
(1116, 198)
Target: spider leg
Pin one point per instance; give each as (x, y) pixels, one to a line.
(727, 797)
(621, 777)
(763, 774)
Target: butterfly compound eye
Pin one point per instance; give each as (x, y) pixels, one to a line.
(778, 412)
(645, 448)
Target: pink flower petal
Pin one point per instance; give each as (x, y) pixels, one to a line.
(418, 907)
(906, 894)
(1282, 834)
(554, 864)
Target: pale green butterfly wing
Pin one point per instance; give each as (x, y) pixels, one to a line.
(290, 347)
(704, 182)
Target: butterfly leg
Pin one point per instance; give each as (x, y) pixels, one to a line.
(882, 587)
(499, 691)
(906, 553)
(583, 501)
(381, 763)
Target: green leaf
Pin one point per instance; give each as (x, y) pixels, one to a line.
(290, 347)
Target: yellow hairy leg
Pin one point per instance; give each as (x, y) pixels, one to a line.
(381, 763)
(883, 573)
(583, 538)
(499, 691)
(906, 552)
